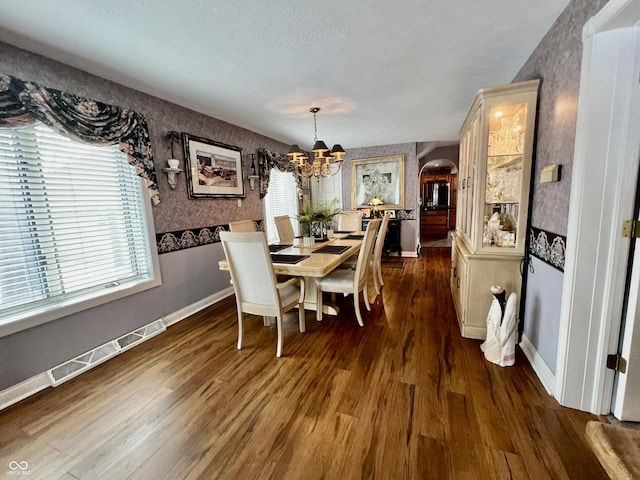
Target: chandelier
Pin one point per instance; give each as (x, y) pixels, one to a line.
(325, 163)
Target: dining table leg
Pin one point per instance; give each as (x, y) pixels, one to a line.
(311, 299)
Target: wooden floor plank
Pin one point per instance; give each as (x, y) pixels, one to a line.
(403, 397)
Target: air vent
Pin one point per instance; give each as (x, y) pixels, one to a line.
(90, 359)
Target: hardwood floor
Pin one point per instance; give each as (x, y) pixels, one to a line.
(405, 397)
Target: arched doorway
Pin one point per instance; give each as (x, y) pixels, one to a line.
(438, 195)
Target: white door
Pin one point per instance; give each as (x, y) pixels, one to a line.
(327, 189)
(604, 179)
(626, 397)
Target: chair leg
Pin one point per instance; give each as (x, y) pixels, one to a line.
(356, 307)
(240, 329)
(375, 282)
(365, 293)
(301, 320)
(379, 271)
(279, 328)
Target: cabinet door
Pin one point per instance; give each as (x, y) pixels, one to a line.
(504, 174)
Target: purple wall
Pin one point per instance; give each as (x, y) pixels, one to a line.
(188, 275)
(556, 61)
(409, 235)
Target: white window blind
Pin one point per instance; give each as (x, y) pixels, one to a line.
(281, 199)
(72, 223)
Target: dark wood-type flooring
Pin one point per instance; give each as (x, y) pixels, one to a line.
(405, 397)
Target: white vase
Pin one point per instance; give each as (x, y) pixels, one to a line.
(173, 163)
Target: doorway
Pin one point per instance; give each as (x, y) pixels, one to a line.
(438, 198)
(604, 178)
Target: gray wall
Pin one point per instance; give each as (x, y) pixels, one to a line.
(411, 184)
(188, 275)
(557, 61)
(450, 152)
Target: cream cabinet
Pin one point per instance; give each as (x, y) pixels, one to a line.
(496, 147)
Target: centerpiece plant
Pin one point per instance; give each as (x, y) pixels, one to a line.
(316, 212)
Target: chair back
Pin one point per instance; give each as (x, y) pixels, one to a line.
(284, 228)
(350, 221)
(382, 233)
(251, 268)
(362, 266)
(243, 226)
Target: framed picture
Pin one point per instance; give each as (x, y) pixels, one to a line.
(380, 177)
(392, 213)
(213, 169)
(366, 212)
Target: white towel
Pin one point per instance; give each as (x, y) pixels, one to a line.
(491, 346)
(509, 333)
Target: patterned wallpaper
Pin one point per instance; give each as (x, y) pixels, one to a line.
(411, 180)
(176, 210)
(557, 61)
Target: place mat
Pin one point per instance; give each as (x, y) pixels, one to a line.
(337, 249)
(289, 259)
(277, 248)
(353, 237)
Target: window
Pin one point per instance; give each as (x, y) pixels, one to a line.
(281, 199)
(75, 228)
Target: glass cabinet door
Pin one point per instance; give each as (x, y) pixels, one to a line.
(505, 145)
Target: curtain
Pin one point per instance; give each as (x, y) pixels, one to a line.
(82, 120)
(268, 160)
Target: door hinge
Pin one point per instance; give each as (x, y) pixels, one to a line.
(617, 362)
(631, 229)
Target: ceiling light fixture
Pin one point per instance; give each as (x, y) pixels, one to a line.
(323, 160)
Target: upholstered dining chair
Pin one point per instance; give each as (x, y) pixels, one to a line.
(376, 257)
(254, 282)
(284, 228)
(347, 281)
(350, 221)
(376, 260)
(243, 226)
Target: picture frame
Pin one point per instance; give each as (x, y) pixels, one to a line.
(214, 169)
(366, 212)
(379, 177)
(392, 213)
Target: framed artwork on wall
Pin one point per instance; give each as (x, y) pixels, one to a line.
(213, 169)
(380, 177)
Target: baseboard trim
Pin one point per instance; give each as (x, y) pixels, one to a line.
(35, 384)
(544, 373)
(24, 389)
(184, 312)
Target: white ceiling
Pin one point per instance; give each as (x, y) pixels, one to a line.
(382, 71)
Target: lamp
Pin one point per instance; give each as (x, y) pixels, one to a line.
(323, 159)
(376, 202)
(173, 163)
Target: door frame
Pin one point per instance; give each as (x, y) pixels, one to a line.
(605, 172)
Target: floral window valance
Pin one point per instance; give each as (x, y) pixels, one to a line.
(268, 160)
(80, 119)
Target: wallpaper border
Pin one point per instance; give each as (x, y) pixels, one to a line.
(193, 237)
(548, 247)
(196, 237)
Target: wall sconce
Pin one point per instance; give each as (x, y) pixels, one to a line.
(253, 176)
(174, 164)
(172, 170)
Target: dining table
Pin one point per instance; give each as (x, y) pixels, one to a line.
(312, 262)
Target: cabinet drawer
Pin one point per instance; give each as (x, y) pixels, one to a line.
(434, 220)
